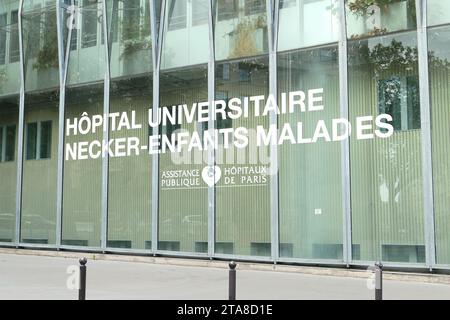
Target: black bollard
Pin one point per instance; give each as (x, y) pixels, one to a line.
(378, 281)
(82, 290)
(232, 281)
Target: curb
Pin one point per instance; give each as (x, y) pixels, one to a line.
(243, 266)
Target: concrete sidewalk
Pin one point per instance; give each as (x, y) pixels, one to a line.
(29, 276)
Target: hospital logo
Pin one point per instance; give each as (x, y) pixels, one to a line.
(211, 175)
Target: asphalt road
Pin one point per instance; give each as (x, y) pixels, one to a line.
(36, 277)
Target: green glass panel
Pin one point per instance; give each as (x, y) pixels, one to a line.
(40, 167)
(439, 70)
(386, 174)
(243, 191)
(130, 178)
(183, 207)
(82, 188)
(9, 116)
(310, 176)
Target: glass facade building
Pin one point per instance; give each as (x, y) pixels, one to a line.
(350, 202)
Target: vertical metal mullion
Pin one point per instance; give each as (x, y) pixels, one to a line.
(68, 46)
(162, 22)
(155, 163)
(105, 161)
(425, 114)
(20, 130)
(345, 145)
(153, 33)
(61, 125)
(272, 19)
(276, 17)
(211, 128)
(109, 31)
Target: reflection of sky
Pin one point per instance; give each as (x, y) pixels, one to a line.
(307, 23)
(438, 42)
(438, 12)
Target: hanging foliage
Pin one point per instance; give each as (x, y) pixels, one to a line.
(360, 7)
(244, 36)
(364, 9)
(397, 56)
(135, 34)
(47, 55)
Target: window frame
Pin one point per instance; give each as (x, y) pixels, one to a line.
(199, 18)
(254, 7)
(404, 112)
(14, 53)
(284, 4)
(84, 43)
(2, 143)
(48, 154)
(37, 153)
(32, 155)
(5, 145)
(3, 37)
(227, 15)
(171, 8)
